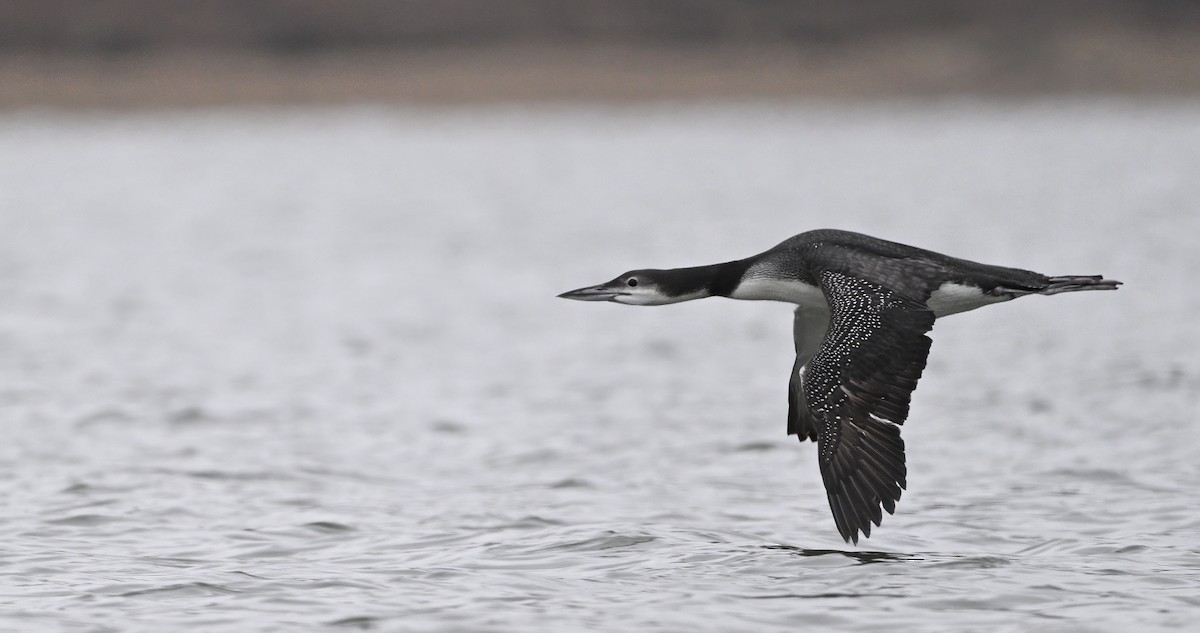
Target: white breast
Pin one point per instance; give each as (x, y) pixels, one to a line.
(795, 291)
(952, 298)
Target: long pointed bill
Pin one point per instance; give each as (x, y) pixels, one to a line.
(602, 292)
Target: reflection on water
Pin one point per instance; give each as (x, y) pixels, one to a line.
(262, 370)
(862, 557)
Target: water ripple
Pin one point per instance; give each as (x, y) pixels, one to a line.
(331, 388)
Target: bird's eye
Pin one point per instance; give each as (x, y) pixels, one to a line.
(632, 281)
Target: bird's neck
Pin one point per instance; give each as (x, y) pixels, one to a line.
(714, 280)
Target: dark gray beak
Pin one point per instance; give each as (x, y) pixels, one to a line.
(602, 292)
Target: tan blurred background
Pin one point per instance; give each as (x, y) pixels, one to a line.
(148, 53)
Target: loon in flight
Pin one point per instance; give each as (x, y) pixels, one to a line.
(864, 308)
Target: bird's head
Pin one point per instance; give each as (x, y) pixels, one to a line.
(642, 288)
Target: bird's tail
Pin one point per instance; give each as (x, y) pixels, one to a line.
(1071, 283)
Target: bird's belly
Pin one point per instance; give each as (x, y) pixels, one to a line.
(952, 298)
(775, 289)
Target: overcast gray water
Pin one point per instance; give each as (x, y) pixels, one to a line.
(305, 369)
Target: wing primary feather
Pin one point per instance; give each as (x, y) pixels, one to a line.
(870, 495)
(842, 517)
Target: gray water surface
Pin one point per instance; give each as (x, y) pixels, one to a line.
(304, 369)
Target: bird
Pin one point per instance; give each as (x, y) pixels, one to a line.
(864, 308)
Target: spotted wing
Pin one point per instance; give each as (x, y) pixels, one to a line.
(858, 386)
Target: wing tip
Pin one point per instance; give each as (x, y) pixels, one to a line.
(858, 503)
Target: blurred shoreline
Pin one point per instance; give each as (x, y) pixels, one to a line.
(1085, 63)
(150, 54)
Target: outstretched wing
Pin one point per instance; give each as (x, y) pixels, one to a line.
(857, 387)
